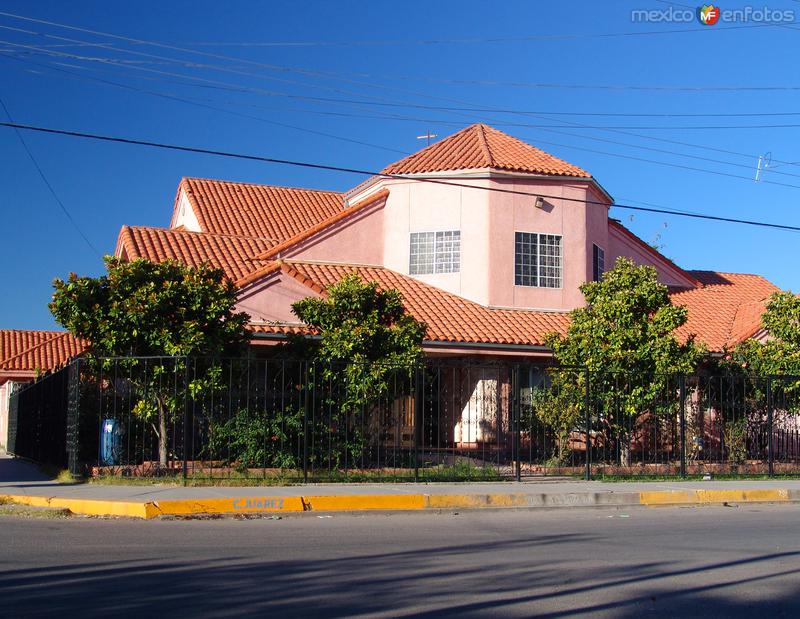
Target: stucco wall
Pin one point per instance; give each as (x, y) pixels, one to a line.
(184, 215)
(620, 244)
(511, 213)
(358, 239)
(272, 300)
(427, 207)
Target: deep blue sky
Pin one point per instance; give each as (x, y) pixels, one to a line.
(382, 59)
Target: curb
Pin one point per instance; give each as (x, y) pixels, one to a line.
(402, 502)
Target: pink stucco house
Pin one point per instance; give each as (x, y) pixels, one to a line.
(490, 272)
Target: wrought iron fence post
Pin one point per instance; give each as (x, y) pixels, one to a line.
(588, 404)
(770, 447)
(418, 405)
(682, 389)
(73, 416)
(515, 420)
(185, 466)
(305, 417)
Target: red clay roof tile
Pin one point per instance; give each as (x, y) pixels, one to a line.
(726, 309)
(28, 351)
(258, 211)
(235, 255)
(480, 146)
(450, 318)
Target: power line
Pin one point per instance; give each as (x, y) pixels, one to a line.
(323, 74)
(463, 41)
(499, 123)
(315, 72)
(530, 125)
(47, 183)
(438, 181)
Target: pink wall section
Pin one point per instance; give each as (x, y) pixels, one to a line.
(380, 235)
(620, 244)
(272, 300)
(357, 239)
(512, 213)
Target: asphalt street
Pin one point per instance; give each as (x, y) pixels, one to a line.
(668, 562)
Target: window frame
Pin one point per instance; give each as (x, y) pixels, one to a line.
(443, 261)
(539, 275)
(598, 252)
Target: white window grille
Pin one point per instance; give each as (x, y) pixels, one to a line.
(538, 260)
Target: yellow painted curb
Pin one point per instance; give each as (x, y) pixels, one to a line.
(682, 497)
(86, 507)
(236, 505)
(365, 502)
(466, 501)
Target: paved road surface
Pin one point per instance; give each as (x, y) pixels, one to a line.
(669, 562)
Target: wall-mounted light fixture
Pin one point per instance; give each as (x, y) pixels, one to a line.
(539, 202)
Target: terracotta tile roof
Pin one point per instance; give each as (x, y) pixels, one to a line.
(235, 255)
(28, 351)
(726, 309)
(480, 146)
(258, 211)
(275, 250)
(450, 318)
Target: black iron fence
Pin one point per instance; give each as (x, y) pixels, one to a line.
(305, 421)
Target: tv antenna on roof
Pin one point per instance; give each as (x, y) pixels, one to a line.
(764, 162)
(428, 135)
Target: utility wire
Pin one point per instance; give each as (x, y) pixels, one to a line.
(317, 73)
(47, 183)
(542, 127)
(437, 181)
(498, 123)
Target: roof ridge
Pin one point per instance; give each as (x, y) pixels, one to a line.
(728, 273)
(484, 144)
(251, 184)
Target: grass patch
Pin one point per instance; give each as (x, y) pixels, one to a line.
(7, 508)
(674, 478)
(455, 473)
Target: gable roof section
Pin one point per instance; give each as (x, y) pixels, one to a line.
(450, 318)
(235, 255)
(727, 308)
(479, 147)
(28, 351)
(257, 211)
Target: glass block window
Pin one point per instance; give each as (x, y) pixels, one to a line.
(435, 252)
(598, 263)
(537, 260)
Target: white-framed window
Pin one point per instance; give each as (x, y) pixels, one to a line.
(435, 252)
(537, 260)
(598, 262)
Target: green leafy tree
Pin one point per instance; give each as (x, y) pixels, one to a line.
(780, 354)
(625, 336)
(366, 339)
(164, 309)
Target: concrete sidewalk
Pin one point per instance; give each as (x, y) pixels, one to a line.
(21, 482)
